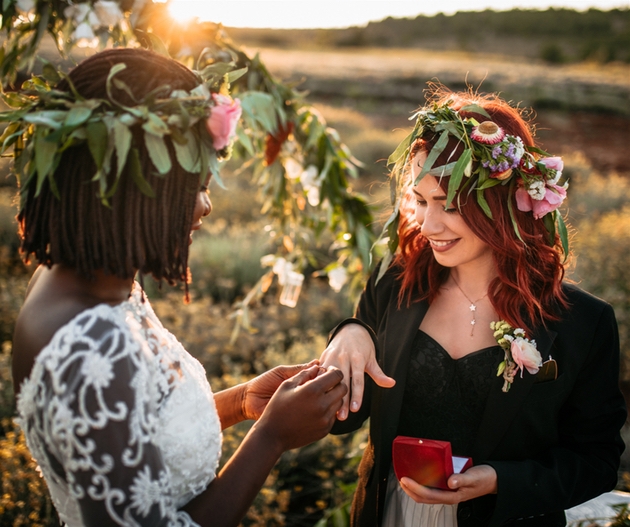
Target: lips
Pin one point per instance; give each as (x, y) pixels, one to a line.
(442, 245)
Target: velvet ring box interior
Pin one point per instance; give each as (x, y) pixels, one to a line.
(426, 461)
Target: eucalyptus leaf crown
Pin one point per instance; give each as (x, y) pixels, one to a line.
(490, 157)
(45, 122)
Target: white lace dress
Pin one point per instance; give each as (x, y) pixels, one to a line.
(121, 419)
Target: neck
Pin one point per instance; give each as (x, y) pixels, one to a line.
(474, 281)
(103, 288)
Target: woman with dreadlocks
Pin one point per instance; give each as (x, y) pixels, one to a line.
(484, 344)
(113, 165)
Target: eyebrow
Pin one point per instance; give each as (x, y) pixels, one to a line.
(436, 198)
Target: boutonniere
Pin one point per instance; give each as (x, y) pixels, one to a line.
(520, 352)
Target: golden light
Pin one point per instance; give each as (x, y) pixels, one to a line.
(181, 12)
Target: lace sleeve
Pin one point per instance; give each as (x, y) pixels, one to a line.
(90, 413)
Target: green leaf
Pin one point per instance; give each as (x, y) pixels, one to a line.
(97, 141)
(116, 68)
(156, 44)
(474, 108)
(216, 172)
(135, 170)
(50, 118)
(457, 175)
(158, 153)
(437, 149)
(501, 368)
(443, 170)
(481, 201)
(77, 116)
(260, 108)
(44, 157)
(245, 141)
(188, 153)
(488, 183)
(234, 75)
(387, 259)
(511, 211)
(122, 142)
(50, 73)
(155, 126)
(400, 150)
(564, 235)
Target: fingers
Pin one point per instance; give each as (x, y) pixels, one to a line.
(328, 380)
(382, 380)
(304, 375)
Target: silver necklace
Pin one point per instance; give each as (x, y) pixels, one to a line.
(472, 306)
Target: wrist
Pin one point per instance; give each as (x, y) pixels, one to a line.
(267, 438)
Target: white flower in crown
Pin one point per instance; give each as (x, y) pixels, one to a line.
(537, 190)
(337, 278)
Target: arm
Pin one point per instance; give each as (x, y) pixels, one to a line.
(302, 410)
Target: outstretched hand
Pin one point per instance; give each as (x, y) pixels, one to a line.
(476, 481)
(259, 390)
(352, 351)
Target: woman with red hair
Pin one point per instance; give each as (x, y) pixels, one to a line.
(469, 334)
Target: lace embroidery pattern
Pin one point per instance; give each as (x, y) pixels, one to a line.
(121, 419)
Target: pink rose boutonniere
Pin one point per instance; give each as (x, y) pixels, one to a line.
(520, 352)
(223, 119)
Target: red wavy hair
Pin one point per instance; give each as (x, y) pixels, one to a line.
(528, 287)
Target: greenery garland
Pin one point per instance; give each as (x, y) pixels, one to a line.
(300, 166)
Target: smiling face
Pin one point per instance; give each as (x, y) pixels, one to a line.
(452, 241)
(203, 207)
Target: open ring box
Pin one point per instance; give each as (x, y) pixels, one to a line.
(428, 462)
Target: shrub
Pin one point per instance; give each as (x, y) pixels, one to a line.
(24, 497)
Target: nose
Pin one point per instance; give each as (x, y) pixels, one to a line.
(207, 205)
(430, 222)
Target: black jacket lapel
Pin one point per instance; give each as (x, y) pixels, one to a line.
(502, 407)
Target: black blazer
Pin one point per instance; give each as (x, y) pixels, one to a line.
(553, 444)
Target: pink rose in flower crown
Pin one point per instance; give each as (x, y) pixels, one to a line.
(223, 119)
(553, 198)
(525, 355)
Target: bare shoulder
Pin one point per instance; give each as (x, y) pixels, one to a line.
(48, 306)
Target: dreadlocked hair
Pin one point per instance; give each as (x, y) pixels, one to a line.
(135, 232)
(528, 286)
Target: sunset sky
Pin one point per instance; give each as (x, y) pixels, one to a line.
(344, 13)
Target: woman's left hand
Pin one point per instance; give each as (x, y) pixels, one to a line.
(259, 390)
(476, 481)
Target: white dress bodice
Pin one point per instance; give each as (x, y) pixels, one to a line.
(121, 419)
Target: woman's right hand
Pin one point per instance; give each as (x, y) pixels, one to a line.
(352, 351)
(303, 408)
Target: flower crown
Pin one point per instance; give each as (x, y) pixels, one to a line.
(45, 122)
(490, 157)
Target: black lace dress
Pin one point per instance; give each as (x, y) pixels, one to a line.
(444, 399)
